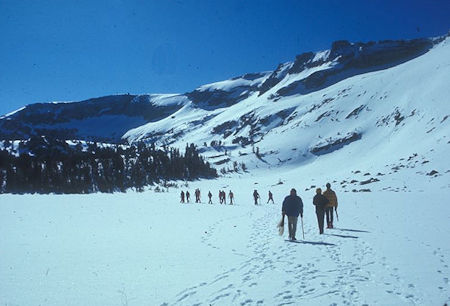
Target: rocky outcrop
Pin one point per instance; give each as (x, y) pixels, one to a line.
(352, 59)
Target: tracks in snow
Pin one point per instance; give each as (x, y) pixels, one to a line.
(334, 268)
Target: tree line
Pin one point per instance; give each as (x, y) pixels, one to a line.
(42, 165)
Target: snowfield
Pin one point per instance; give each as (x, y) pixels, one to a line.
(388, 248)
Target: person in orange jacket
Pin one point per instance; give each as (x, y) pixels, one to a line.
(332, 203)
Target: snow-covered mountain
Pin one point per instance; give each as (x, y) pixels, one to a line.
(382, 96)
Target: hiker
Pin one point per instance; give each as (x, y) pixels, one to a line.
(198, 195)
(210, 197)
(182, 197)
(270, 198)
(320, 202)
(292, 207)
(220, 197)
(197, 198)
(224, 197)
(188, 196)
(231, 196)
(256, 196)
(332, 202)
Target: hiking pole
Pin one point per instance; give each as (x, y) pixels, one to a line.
(303, 231)
(337, 216)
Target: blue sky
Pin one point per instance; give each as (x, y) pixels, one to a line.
(73, 50)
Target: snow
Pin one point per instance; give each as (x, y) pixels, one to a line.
(13, 112)
(390, 245)
(163, 99)
(321, 56)
(146, 248)
(229, 85)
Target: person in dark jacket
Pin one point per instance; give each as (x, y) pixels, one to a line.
(188, 196)
(231, 196)
(270, 198)
(197, 196)
(256, 196)
(210, 197)
(320, 201)
(292, 207)
(182, 197)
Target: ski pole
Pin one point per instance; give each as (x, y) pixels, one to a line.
(337, 216)
(303, 231)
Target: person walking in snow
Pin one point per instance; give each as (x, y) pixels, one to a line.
(220, 197)
(292, 208)
(320, 202)
(197, 196)
(256, 196)
(231, 196)
(182, 197)
(224, 197)
(332, 203)
(210, 197)
(270, 198)
(188, 196)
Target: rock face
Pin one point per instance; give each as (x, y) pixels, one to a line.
(352, 59)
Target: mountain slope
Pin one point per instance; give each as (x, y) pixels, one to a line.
(356, 100)
(113, 116)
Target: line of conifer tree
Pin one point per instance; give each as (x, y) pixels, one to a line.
(42, 165)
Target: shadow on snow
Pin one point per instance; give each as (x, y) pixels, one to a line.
(350, 230)
(342, 236)
(311, 242)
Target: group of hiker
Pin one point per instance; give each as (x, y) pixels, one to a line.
(324, 202)
(292, 206)
(256, 197)
(185, 197)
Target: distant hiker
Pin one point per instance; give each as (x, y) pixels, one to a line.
(224, 197)
(210, 197)
(197, 196)
(320, 202)
(220, 197)
(188, 196)
(182, 197)
(292, 207)
(270, 198)
(256, 196)
(231, 196)
(332, 202)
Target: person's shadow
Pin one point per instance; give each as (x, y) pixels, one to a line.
(342, 236)
(311, 242)
(350, 230)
